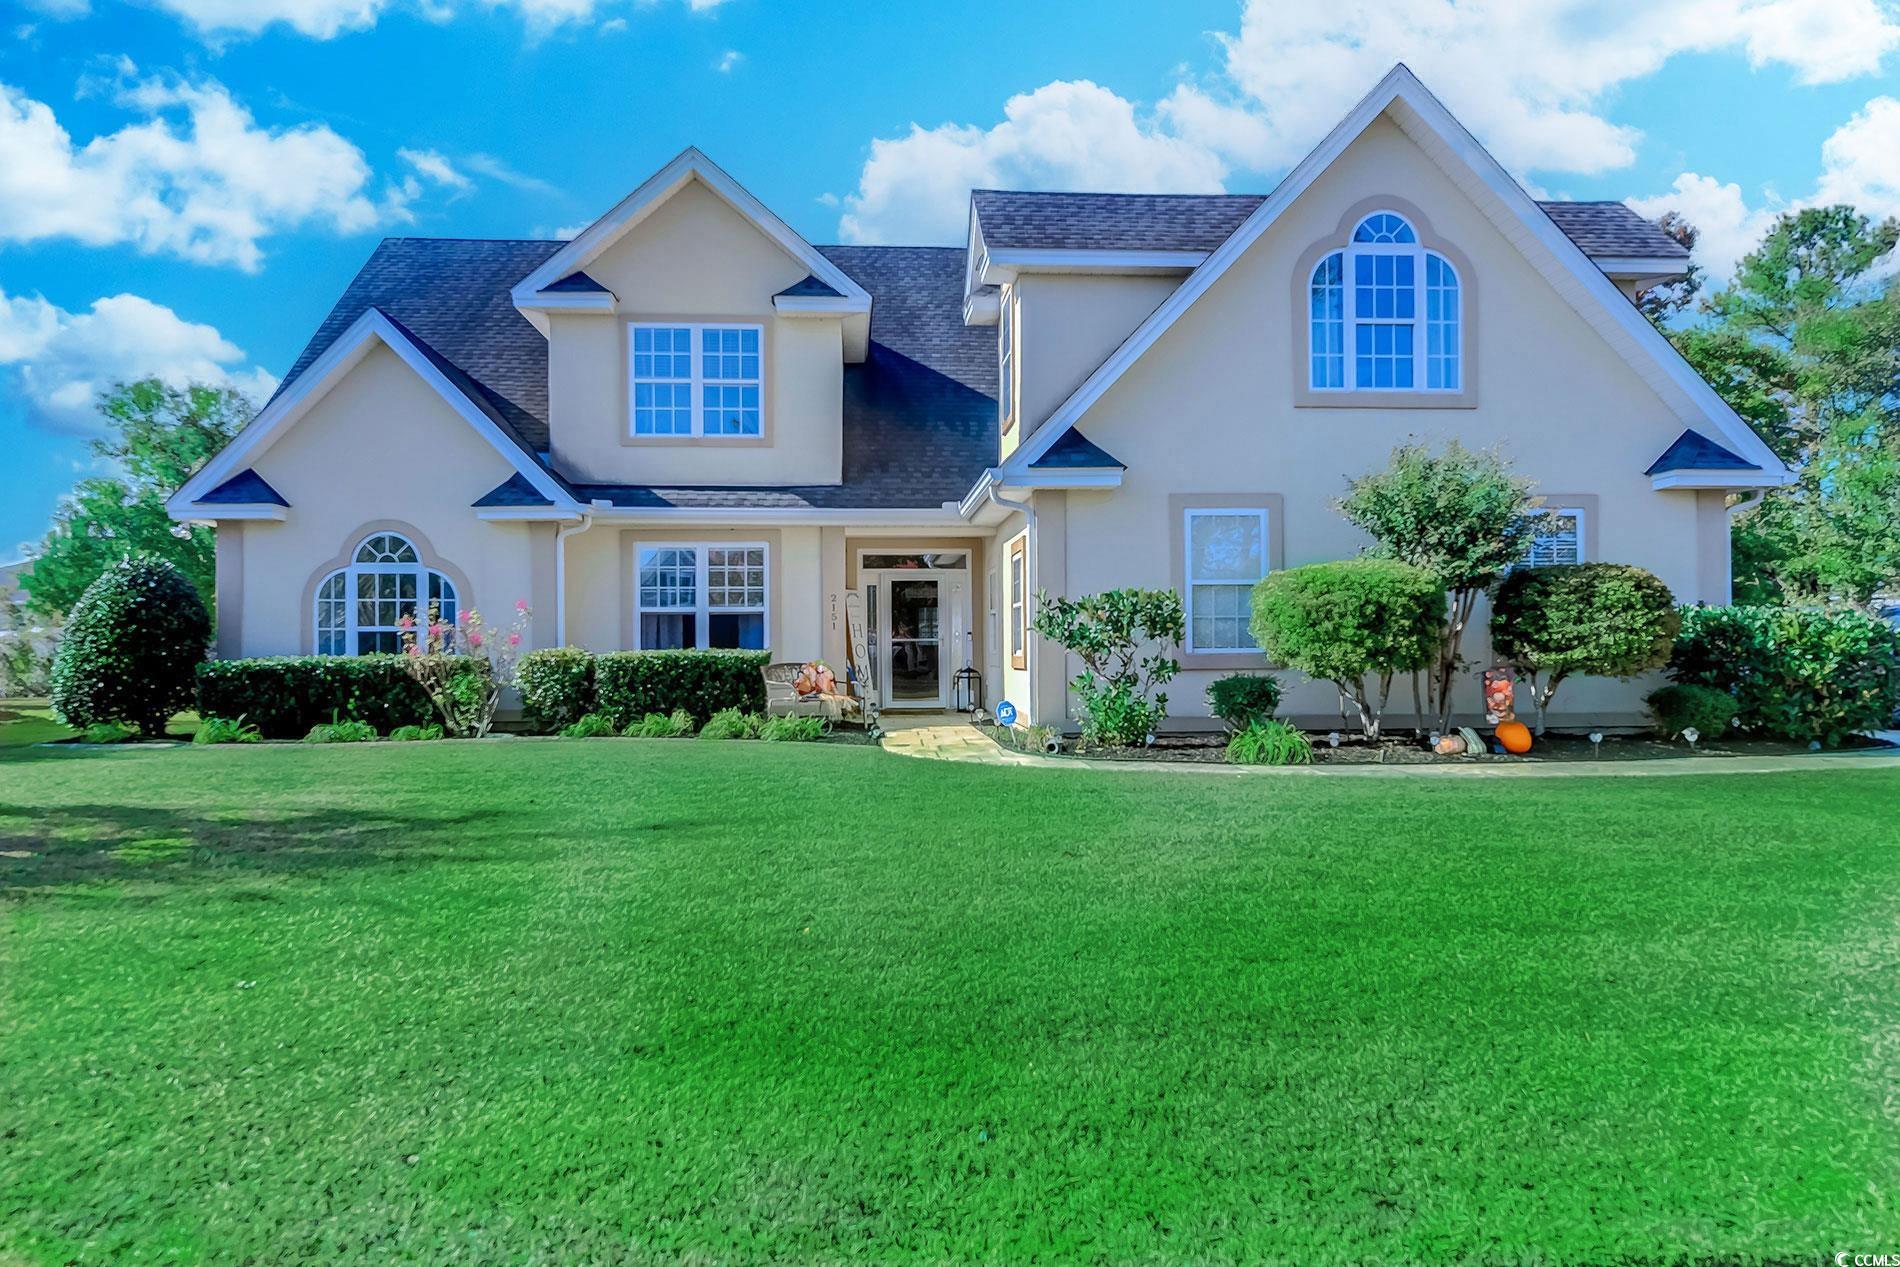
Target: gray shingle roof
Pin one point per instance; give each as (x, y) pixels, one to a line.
(1120, 222)
(246, 488)
(809, 287)
(1609, 229)
(1072, 451)
(1693, 451)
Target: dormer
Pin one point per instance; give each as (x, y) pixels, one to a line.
(694, 338)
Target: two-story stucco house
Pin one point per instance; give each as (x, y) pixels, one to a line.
(689, 427)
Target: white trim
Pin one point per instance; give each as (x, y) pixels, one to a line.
(955, 623)
(933, 518)
(701, 612)
(1419, 322)
(352, 630)
(1188, 581)
(689, 164)
(1587, 289)
(529, 514)
(310, 386)
(1022, 481)
(581, 301)
(697, 381)
(968, 551)
(817, 306)
(981, 309)
(1644, 266)
(1001, 265)
(210, 512)
(1720, 477)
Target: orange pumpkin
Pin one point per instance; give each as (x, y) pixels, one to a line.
(1515, 736)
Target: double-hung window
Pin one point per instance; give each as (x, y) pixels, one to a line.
(1383, 314)
(1562, 542)
(1018, 605)
(697, 380)
(700, 596)
(1226, 558)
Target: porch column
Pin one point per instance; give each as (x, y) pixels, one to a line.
(831, 592)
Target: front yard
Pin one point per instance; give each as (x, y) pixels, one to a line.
(644, 1000)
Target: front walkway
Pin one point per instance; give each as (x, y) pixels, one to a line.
(951, 737)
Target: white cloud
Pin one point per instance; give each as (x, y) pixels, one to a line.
(493, 168)
(60, 361)
(1063, 135)
(1532, 80)
(194, 176)
(326, 19)
(568, 232)
(435, 167)
(728, 61)
(1860, 166)
(704, 6)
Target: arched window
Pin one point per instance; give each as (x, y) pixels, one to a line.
(1367, 302)
(360, 607)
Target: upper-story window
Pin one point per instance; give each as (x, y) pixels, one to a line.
(1384, 314)
(697, 380)
(1006, 367)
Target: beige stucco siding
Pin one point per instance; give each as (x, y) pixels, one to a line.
(1211, 409)
(1067, 324)
(379, 449)
(695, 259)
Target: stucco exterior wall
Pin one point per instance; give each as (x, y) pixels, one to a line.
(695, 259)
(1211, 408)
(379, 449)
(1067, 324)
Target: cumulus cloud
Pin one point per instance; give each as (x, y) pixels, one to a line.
(60, 361)
(1860, 166)
(1533, 81)
(1063, 135)
(194, 176)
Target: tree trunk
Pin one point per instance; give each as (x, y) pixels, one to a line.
(1462, 602)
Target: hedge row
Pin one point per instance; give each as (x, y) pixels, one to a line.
(563, 684)
(1810, 674)
(285, 696)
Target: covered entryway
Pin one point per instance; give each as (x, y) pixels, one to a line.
(919, 612)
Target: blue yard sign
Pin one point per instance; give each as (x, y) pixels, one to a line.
(1005, 713)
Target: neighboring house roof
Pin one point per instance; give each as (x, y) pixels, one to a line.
(811, 287)
(576, 283)
(1611, 229)
(1014, 219)
(246, 488)
(1075, 451)
(1693, 451)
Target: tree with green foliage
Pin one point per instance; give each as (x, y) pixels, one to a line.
(1597, 619)
(1462, 517)
(1356, 623)
(1124, 639)
(1664, 302)
(1805, 346)
(156, 437)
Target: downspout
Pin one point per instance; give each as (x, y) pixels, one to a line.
(993, 476)
(560, 574)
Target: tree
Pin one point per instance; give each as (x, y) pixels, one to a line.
(1463, 518)
(1598, 619)
(1664, 302)
(1356, 624)
(1805, 346)
(1109, 634)
(156, 437)
(131, 648)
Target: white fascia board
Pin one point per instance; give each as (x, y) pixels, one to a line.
(1008, 483)
(211, 512)
(922, 517)
(1727, 477)
(690, 164)
(817, 306)
(1591, 293)
(1631, 267)
(310, 386)
(982, 308)
(1001, 266)
(581, 301)
(529, 514)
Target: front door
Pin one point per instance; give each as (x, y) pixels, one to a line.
(914, 634)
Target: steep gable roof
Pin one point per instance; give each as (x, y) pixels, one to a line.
(1612, 229)
(1561, 261)
(1108, 222)
(1693, 451)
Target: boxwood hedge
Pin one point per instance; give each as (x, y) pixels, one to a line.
(284, 696)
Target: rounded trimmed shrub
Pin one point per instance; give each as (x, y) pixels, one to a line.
(1595, 619)
(1678, 707)
(1809, 674)
(131, 648)
(556, 685)
(1241, 699)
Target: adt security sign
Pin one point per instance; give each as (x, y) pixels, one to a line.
(1005, 713)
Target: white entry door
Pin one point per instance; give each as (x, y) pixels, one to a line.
(921, 634)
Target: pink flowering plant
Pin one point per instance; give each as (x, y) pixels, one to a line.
(463, 664)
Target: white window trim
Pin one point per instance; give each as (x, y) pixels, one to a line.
(1016, 601)
(700, 611)
(1006, 363)
(1583, 536)
(698, 380)
(423, 573)
(1349, 252)
(1189, 581)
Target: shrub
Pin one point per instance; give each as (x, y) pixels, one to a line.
(590, 726)
(341, 732)
(630, 684)
(732, 723)
(1241, 699)
(213, 730)
(285, 696)
(1808, 674)
(1678, 707)
(437, 654)
(1266, 741)
(1108, 634)
(416, 734)
(675, 725)
(130, 647)
(107, 732)
(792, 729)
(556, 685)
(1597, 619)
(1355, 624)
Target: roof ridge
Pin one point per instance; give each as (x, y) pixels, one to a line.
(424, 237)
(1110, 193)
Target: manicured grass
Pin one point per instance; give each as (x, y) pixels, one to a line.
(28, 721)
(626, 1001)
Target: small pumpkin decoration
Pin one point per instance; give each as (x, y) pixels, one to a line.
(1449, 745)
(1515, 736)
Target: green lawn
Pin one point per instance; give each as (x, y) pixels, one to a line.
(626, 1001)
(28, 721)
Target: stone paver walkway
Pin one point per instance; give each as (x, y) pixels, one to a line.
(949, 737)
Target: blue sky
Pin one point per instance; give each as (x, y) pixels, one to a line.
(186, 185)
